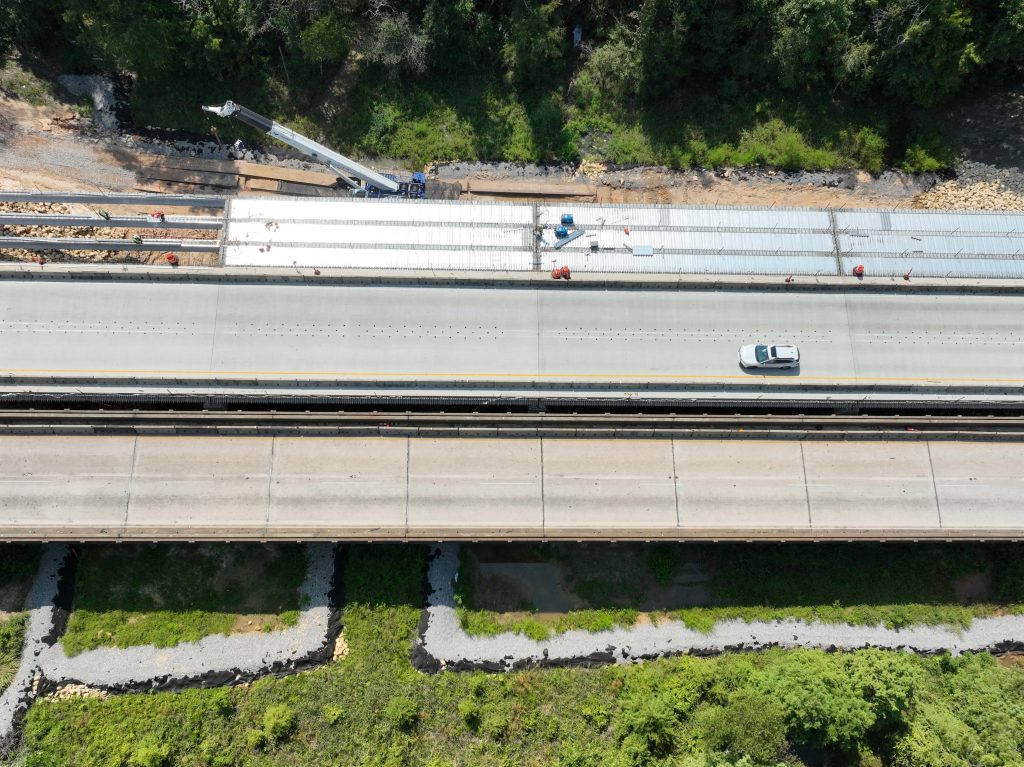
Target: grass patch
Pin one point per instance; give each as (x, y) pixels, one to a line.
(543, 626)
(373, 709)
(897, 585)
(25, 85)
(741, 131)
(165, 594)
(12, 635)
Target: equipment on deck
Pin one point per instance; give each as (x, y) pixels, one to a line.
(373, 184)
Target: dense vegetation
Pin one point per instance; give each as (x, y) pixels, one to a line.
(131, 594)
(861, 584)
(792, 83)
(804, 707)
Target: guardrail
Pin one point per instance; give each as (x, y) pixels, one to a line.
(512, 425)
(525, 280)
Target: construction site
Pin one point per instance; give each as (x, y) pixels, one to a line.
(306, 457)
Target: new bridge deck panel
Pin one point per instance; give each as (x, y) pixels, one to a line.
(230, 488)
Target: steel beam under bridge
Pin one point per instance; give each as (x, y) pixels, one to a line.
(408, 488)
(102, 198)
(128, 222)
(84, 243)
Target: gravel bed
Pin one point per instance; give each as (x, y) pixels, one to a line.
(893, 183)
(45, 621)
(444, 645)
(101, 90)
(213, 660)
(978, 186)
(1012, 179)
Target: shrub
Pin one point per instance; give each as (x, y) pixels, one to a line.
(469, 710)
(494, 723)
(402, 713)
(221, 701)
(751, 724)
(596, 715)
(150, 753)
(278, 722)
(867, 149)
(645, 724)
(927, 153)
(256, 739)
(333, 714)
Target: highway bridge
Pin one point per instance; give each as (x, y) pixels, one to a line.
(220, 406)
(153, 486)
(223, 336)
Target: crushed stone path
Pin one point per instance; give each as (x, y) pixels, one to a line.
(445, 645)
(211, 661)
(214, 659)
(44, 621)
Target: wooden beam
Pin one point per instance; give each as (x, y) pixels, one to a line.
(171, 187)
(528, 188)
(287, 187)
(225, 180)
(187, 163)
(255, 170)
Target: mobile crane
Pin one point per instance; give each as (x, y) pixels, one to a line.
(362, 180)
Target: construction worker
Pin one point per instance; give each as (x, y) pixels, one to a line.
(103, 214)
(137, 240)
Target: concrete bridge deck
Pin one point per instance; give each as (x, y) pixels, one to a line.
(143, 333)
(305, 488)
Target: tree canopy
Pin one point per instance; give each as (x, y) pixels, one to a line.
(637, 60)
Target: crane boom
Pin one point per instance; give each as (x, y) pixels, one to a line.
(340, 164)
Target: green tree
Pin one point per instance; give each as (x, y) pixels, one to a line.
(326, 38)
(664, 48)
(811, 39)
(822, 704)
(535, 40)
(645, 724)
(1006, 43)
(925, 48)
(393, 41)
(751, 724)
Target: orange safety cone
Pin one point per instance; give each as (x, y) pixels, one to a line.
(789, 279)
(907, 275)
(858, 270)
(171, 259)
(566, 274)
(316, 272)
(556, 273)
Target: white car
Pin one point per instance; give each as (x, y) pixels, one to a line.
(769, 357)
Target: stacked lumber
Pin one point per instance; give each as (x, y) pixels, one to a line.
(505, 188)
(192, 175)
